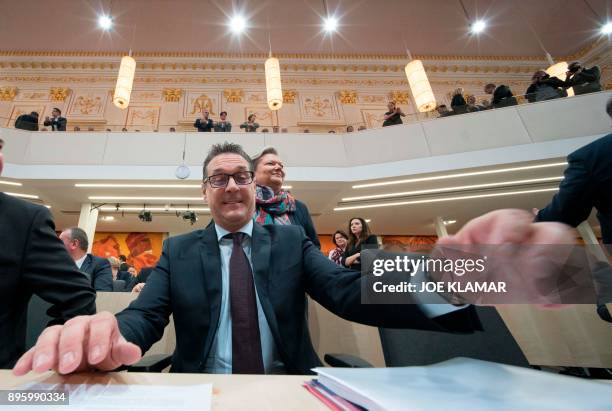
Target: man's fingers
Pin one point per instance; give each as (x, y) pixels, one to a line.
(121, 353)
(45, 353)
(24, 365)
(101, 330)
(71, 344)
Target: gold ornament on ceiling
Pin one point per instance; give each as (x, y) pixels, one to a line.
(233, 95)
(348, 96)
(289, 96)
(7, 93)
(59, 93)
(400, 97)
(172, 95)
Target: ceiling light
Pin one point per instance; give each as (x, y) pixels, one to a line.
(330, 24)
(104, 185)
(606, 28)
(160, 209)
(10, 183)
(449, 222)
(105, 22)
(368, 220)
(458, 175)
(444, 199)
(30, 196)
(237, 24)
(107, 218)
(286, 187)
(116, 198)
(456, 188)
(478, 26)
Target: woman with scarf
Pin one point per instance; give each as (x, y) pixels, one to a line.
(340, 239)
(275, 205)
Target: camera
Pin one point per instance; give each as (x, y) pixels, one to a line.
(145, 216)
(190, 216)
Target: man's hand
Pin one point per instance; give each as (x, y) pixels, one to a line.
(138, 287)
(91, 341)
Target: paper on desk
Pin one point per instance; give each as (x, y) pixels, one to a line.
(118, 397)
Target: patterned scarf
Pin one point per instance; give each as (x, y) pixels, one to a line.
(336, 255)
(273, 208)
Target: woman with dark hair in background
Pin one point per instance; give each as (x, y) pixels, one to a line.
(250, 126)
(340, 239)
(359, 235)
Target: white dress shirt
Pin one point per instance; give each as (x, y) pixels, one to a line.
(80, 261)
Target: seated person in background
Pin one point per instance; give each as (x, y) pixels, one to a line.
(458, 103)
(97, 269)
(275, 129)
(76, 128)
(223, 126)
(583, 80)
(471, 103)
(543, 87)
(34, 261)
(502, 96)
(128, 277)
(172, 129)
(349, 129)
(108, 130)
(359, 234)
(124, 129)
(251, 126)
(218, 301)
(27, 121)
(340, 240)
(56, 121)
(443, 111)
(305, 130)
(332, 131)
(393, 116)
(265, 130)
(204, 124)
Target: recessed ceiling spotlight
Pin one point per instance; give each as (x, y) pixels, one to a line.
(105, 22)
(330, 24)
(237, 24)
(478, 26)
(606, 28)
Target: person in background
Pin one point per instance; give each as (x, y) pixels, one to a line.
(126, 276)
(34, 262)
(27, 121)
(274, 205)
(543, 87)
(306, 130)
(471, 103)
(98, 269)
(359, 235)
(349, 129)
(251, 126)
(458, 103)
(223, 126)
(172, 130)
(56, 121)
(108, 130)
(360, 128)
(340, 239)
(443, 110)
(393, 116)
(501, 95)
(76, 128)
(204, 124)
(332, 132)
(583, 80)
(124, 129)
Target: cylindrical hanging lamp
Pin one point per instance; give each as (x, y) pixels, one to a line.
(420, 87)
(125, 81)
(273, 84)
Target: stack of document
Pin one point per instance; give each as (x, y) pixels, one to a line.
(460, 384)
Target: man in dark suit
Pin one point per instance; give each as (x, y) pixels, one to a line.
(204, 124)
(33, 261)
(587, 183)
(57, 122)
(236, 291)
(98, 269)
(27, 121)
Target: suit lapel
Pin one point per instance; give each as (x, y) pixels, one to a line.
(261, 248)
(86, 264)
(211, 262)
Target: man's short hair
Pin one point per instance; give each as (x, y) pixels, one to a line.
(225, 148)
(490, 85)
(34, 113)
(57, 109)
(265, 151)
(2, 141)
(222, 113)
(608, 108)
(80, 235)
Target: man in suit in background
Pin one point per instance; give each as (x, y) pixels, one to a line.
(98, 269)
(587, 183)
(27, 121)
(236, 291)
(57, 122)
(33, 261)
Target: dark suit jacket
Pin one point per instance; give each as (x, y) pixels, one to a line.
(587, 183)
(286, 265)
(27, 122)
(301, 216)
(57, 124)
(130, 280)
(99, 272)
(33, 260)
(203, 126)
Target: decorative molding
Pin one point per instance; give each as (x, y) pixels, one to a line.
(172, 95)
(233, 95)
(289, 96)
(348, 96)
(7, 93)
(59, 93)
(400, 97)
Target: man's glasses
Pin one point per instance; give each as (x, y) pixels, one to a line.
(241, 178)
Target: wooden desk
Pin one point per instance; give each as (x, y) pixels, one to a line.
(230, 392)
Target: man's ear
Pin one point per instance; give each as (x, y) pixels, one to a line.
(204, 192)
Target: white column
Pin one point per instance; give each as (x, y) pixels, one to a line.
(587, 234)
(440, 227)
(87, 221)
